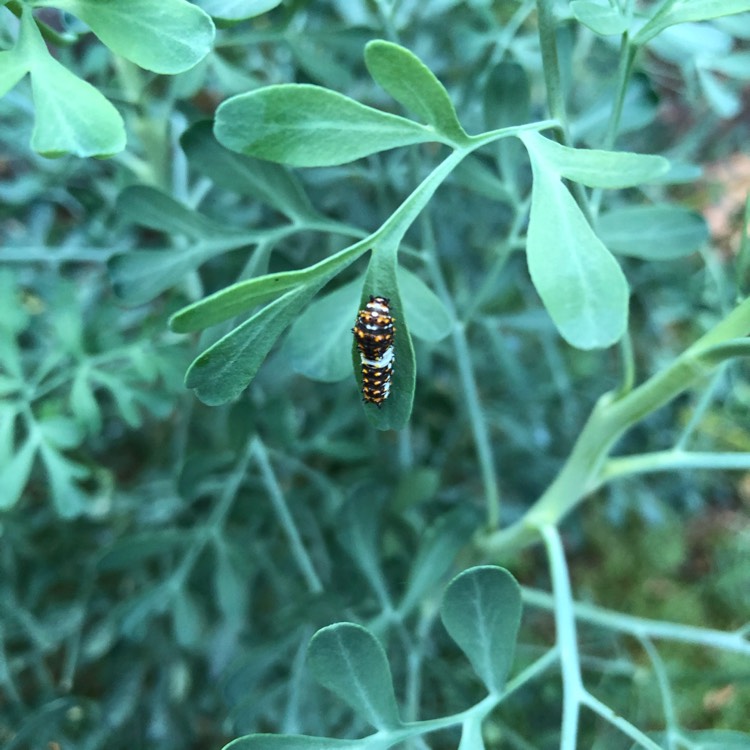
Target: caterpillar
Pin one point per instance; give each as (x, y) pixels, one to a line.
(373, 333)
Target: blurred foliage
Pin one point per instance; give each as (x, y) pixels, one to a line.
(164, 564)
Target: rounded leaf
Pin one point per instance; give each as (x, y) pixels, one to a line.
(481, 611)
(349, 660)
(580, 283)
(168, 36)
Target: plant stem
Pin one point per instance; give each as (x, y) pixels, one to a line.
(640, 627)
(611, 417)
(670, 715)
(567, 641)
(471, 396)
(285, 517)
(672, 460)
(550, 64)
(553, 84)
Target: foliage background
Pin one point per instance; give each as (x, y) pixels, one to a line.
(165, 563)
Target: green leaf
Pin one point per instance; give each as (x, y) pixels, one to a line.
(149, 207)
(239, 298)
(231, 587)
(601, 18)
(139, 276)
(236, 10)
(15, 472)
(270, 183)
(309, 126)
(507, 96)
(359, 535)
(580, 283)
(435, 555)
(13, 67)
(409, 81)
(428, 317)
(133, 549)
(506, 103)
(71, 115)
(299, 742)
(722, 99)
(683, 11)
(67, 496)
(134, 614)
(225, 369)
(234, 300)
(61, 432)
(659, 232)
(481, 611)
(168, 36)
(187, 620)
(599, 169)
(349, 660)
(320, 341)
(83, 403)
(736, 65)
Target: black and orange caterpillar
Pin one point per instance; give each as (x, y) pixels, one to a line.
(374, 332)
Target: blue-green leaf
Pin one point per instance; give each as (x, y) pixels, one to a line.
(349, 660)
(409, 81)
(309, 126)
(71, 115)
(140, 275)
(225, 369)
(580, 283)
(481, 611)
(428, 317)
(13, 67)
(434, 558)
(15, 472)
(659, 232)
(273, 184)
(688, 10)
(168, 36)
(149, 207)
(600, 169)
(601, 18)
(320, 341)
(236, 10)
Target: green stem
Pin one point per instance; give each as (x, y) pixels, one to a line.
(672, 460)
(617, 721)
(555, 96)
(567, 641)
(550, 63)
(470, 392)
(640, 627)
(478, 425)
(299, 553)
(214, 523)
(624, 70)
(611, 418)
(670, 715)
